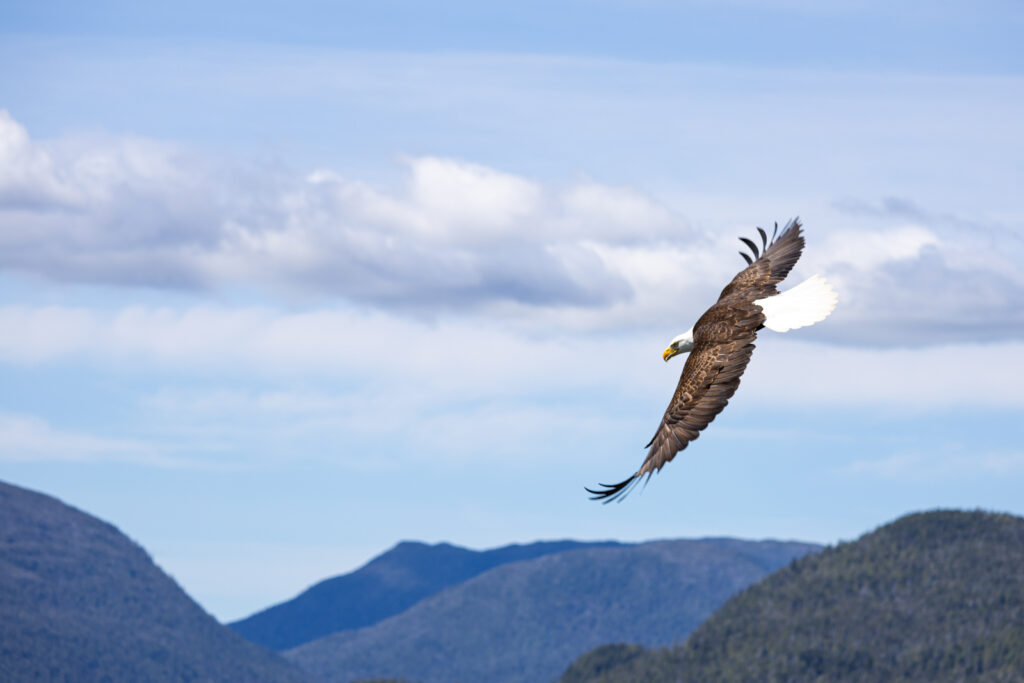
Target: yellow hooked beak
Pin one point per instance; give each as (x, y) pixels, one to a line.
(668, 353)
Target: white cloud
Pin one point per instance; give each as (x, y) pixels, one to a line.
(867, 250)
(457, 235)
(27, 173)
(470, 203)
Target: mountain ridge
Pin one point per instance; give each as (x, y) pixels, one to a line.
(387, 585)
(527, 620)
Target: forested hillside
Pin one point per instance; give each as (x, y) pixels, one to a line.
(935, 596)
(81, 602)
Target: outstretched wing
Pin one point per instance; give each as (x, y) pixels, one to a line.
(709, 379)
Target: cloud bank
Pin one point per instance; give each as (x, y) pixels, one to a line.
(458, 237)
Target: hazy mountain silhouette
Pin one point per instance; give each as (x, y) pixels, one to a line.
(527, 620)
(81, 602)
(935, 596)
(387, 585)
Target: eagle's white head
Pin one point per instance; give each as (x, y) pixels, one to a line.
(680, 344)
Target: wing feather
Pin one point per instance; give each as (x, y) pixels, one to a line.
(773, 264)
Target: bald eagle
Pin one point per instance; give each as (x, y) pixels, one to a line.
(721, 341)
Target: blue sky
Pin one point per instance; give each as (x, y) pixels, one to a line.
(284, 284)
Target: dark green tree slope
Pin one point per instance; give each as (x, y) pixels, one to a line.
(936, 596)
(80, 602)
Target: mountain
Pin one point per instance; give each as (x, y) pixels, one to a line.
(936, 596)
(527, 620)
(387, 585)
(81, 602)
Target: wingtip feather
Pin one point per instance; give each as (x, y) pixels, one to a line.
(610, 492)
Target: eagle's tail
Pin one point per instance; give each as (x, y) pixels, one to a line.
(809, 302)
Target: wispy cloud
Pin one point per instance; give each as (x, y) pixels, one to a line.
(970, 376)
(466, 358)
(27, 438)
(923, 467)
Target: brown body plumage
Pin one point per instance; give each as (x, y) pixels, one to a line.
(723, 341)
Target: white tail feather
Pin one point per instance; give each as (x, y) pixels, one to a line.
(809, 302)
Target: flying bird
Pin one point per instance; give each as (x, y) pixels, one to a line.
(721, 341)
